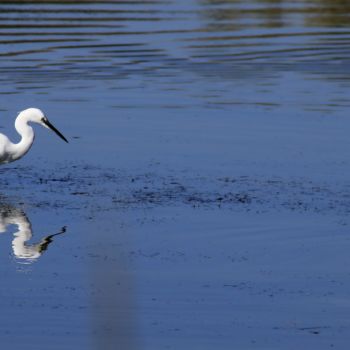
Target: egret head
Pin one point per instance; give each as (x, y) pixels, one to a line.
(35, 115)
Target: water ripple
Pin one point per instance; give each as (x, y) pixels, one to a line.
(196, 36)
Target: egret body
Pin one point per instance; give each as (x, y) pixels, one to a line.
(9, 151)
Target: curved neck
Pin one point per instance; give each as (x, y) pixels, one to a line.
(27, 138)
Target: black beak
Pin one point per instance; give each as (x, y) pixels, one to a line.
(49, 125)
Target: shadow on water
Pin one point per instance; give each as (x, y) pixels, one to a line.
(23, 251)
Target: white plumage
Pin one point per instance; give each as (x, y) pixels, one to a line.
(10, 151)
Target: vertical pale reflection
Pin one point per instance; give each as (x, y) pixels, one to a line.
(113, 304)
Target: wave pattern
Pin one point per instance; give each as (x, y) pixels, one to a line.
(104, 39)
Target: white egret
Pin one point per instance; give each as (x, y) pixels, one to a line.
(9, 151)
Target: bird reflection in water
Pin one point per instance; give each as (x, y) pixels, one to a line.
(26, 253)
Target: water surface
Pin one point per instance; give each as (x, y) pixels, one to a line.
(202, 201)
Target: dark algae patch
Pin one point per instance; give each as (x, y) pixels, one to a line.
(89, 187)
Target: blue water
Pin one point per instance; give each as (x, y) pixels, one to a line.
(186, 120)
